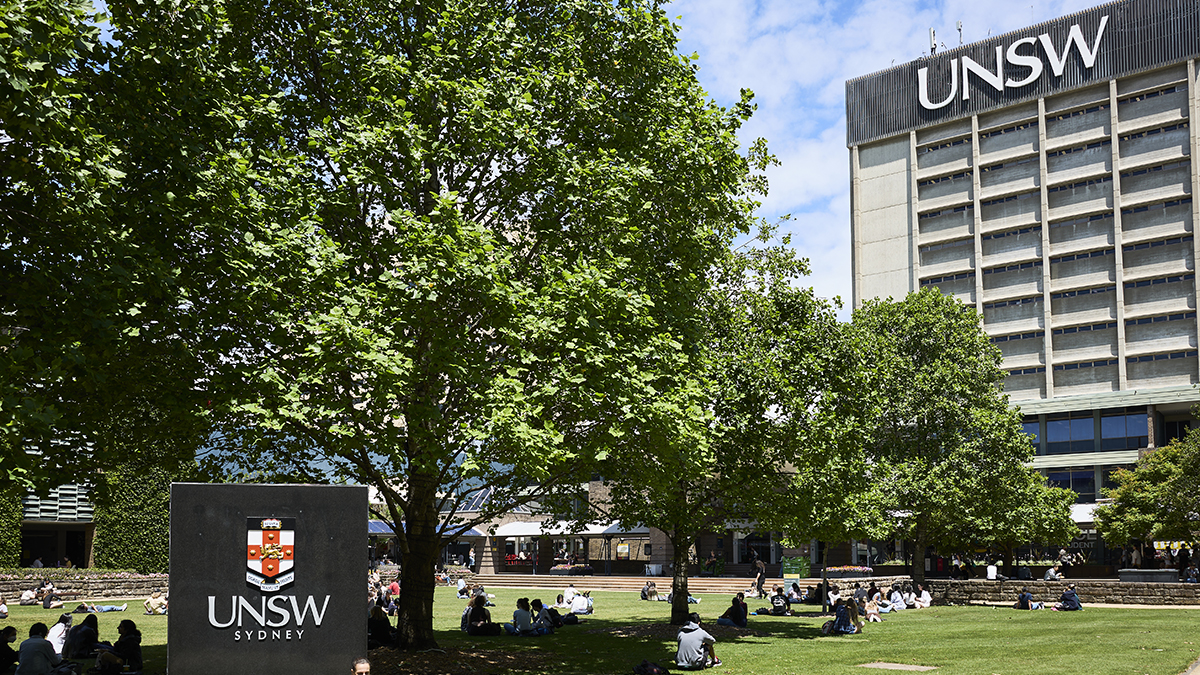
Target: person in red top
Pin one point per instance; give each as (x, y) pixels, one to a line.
(394, 588)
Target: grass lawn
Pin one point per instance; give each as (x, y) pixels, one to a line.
(153, 628)
(625, 630)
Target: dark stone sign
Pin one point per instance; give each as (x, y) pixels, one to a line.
(267, 578)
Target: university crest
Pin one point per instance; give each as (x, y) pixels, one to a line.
(270, 553)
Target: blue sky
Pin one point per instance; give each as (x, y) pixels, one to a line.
(796, 56)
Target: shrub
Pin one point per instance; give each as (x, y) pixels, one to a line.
(10, 527)
(133, 518)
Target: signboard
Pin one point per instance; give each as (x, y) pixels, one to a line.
(1092, 46)
(269, 575)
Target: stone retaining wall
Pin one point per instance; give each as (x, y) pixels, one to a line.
(89, 588)
(1096, 591)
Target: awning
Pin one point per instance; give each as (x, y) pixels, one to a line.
(560, 529)
(380, 528)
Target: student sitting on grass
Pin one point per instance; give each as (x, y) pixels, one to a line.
(871, 611)
(379, 629)
(1069, 601)
(736, 614)
(126, 653)
(522, 623)
(845, 620)
(1025, 600)
(779, 603)
(155, 604)
(795, 595)
(582, 603)
(479, 620)
(82, 639)
(543, 620)
(650, 591)
(8, 655)
(695, 650)
(36, 655)
(896, 600)
(58, 632)
(28, 597)
(922, 599)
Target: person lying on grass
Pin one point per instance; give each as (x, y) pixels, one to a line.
(695, 650)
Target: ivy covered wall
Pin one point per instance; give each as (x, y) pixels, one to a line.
(133, 519)
(10, 527)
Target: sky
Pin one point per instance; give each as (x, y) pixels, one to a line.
(796, 55)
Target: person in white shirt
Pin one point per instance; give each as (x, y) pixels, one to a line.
(923, 599)
(910, 598)
(897, 600)
(28, 597)
(582, 603)
(462, 588)
(58, 633)
(993, 573)
(570, 593)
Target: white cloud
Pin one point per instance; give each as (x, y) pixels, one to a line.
(796, 56)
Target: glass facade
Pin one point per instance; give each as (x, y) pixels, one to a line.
(1070, 433)
(1122, 431)
(1080, 479)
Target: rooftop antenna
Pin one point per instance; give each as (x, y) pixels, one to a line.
(959, 33)
(932, 42)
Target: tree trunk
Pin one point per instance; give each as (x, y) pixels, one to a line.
(414, 623)
(918, 555)
(679, 584)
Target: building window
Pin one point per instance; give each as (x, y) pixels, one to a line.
(1081, 480)
(1070, 433)
(1033, 430)
(1123, 431)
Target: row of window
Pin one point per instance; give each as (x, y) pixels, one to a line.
(1027, 371)
(949, 277)
(1018, 336)
(1012, 233)
(1162, 205)
(1152, 169)
(1155, 244)
(1085, 329)
(1082, 221)
(947, 144)
(1149, 94)
(1075, 432)
(1081, 256)
(1008, 130)
(1083, 291)
(1161, 357)
(1161, 280)
(1010, 164)
(1010, 303)
(1153, 132)
(1081, 111)
(1013, 268)
(1087, 364)
(946, 244)
(945, 212)
(1159, 319)
(1080, 184)
(1010, 198)
(1080, 148)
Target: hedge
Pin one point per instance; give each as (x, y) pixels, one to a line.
(62, 574)
(10, 527)
(133, 519)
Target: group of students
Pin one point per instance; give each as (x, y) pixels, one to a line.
(49, 649)
(531, 618)
(1067, 602)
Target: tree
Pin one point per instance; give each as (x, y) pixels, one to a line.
(493, 221)
(948, 449)
(739, 431)
(1158, 499)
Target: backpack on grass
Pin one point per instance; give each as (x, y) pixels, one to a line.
(649, 668)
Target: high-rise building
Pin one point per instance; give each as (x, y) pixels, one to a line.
(1047, 177)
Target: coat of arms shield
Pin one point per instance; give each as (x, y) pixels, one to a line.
(270, 553)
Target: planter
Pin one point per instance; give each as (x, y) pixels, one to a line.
(572, 573)
(1149, 576)
(847, 575)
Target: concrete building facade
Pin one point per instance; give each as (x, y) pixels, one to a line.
(1046, 177)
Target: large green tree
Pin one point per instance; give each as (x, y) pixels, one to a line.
(1158, 499)
(510, 209)
(741, 431)
(950, 454)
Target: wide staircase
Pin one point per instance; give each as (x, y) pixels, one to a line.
(723, 585)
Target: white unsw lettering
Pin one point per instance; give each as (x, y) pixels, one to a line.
(272, 612)
(995, 79)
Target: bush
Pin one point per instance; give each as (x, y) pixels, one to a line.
(60, 574)
(10, 527)
(133, 519)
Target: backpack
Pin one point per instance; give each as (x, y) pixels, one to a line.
(555, 617)
(570, 620)
(649, 668)
(827, 628)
